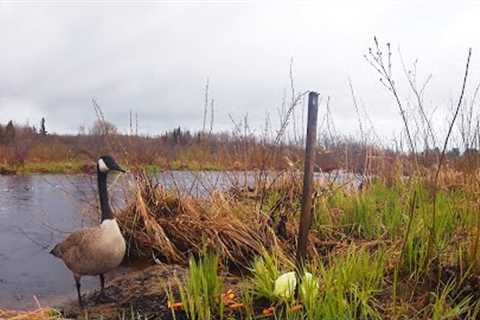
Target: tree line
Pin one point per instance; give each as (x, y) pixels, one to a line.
(8, 131)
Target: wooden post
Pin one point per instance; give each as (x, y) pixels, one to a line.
(306, 214)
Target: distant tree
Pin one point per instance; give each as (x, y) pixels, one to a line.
(103, 128)
(9, 135)
(43, 130)
(454, 152)
(81, 130)
(2, 134)
(177, 134)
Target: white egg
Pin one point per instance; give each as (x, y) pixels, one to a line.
(285, 284)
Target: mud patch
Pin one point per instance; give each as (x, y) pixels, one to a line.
(142, 292)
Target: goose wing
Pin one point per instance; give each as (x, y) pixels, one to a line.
(75, 244)
(92, 251)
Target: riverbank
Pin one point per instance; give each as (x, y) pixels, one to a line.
(142, 293)
(139, 294)
(78, 167)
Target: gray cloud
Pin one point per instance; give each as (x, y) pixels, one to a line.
(154, 57)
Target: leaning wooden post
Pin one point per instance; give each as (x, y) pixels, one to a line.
(306, 214)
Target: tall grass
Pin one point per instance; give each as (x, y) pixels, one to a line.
(200, 294)
(349, 285)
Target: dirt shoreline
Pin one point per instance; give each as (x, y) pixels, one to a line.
(142, 292)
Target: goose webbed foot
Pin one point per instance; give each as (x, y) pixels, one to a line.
(102, 296)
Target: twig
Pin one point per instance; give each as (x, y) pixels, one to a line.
(375, 59)
(432, 238)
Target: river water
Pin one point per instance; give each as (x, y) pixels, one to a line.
(37, 211)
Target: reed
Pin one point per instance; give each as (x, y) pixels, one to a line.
(173, 226)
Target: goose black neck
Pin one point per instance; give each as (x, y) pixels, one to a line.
(103, 195)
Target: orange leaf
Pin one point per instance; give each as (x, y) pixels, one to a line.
(174, 305)
(235, 306)
(296, 308)
(268, 311)
(228, 297)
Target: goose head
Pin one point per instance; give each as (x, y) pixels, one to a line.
(107, 163)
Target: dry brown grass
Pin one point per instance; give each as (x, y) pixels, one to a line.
(174, 227)
(38, 314)
(238, 225)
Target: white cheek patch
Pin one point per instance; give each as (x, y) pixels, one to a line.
(102, 166)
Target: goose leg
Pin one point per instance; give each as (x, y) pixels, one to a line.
(77, 282)
(102, 297)
(102, 283)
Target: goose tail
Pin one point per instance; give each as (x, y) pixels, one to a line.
(55, 251)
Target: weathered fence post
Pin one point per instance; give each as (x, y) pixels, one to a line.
(306, 214)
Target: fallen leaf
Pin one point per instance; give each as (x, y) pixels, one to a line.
(296, 308)
(236, 306)
(174, 305)
(268, 311)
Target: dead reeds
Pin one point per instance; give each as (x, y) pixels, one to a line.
(174, 226)
(38, 314)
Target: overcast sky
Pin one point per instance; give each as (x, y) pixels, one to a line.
(154, 57)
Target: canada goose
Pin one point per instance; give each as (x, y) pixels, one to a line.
(97, 250)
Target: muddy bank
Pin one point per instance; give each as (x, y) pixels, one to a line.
(139, 295)
(142, 292)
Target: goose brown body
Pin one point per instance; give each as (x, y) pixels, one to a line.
(92, 251)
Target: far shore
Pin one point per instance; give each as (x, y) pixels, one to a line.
(74, 167)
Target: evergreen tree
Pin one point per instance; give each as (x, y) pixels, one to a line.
(43, 130)
(9, 135)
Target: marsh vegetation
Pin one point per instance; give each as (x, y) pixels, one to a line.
(402, 244)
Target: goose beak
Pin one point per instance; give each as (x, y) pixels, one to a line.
(116, 167)
(120, 170)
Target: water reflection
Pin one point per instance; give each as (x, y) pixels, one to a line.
(28, 206)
